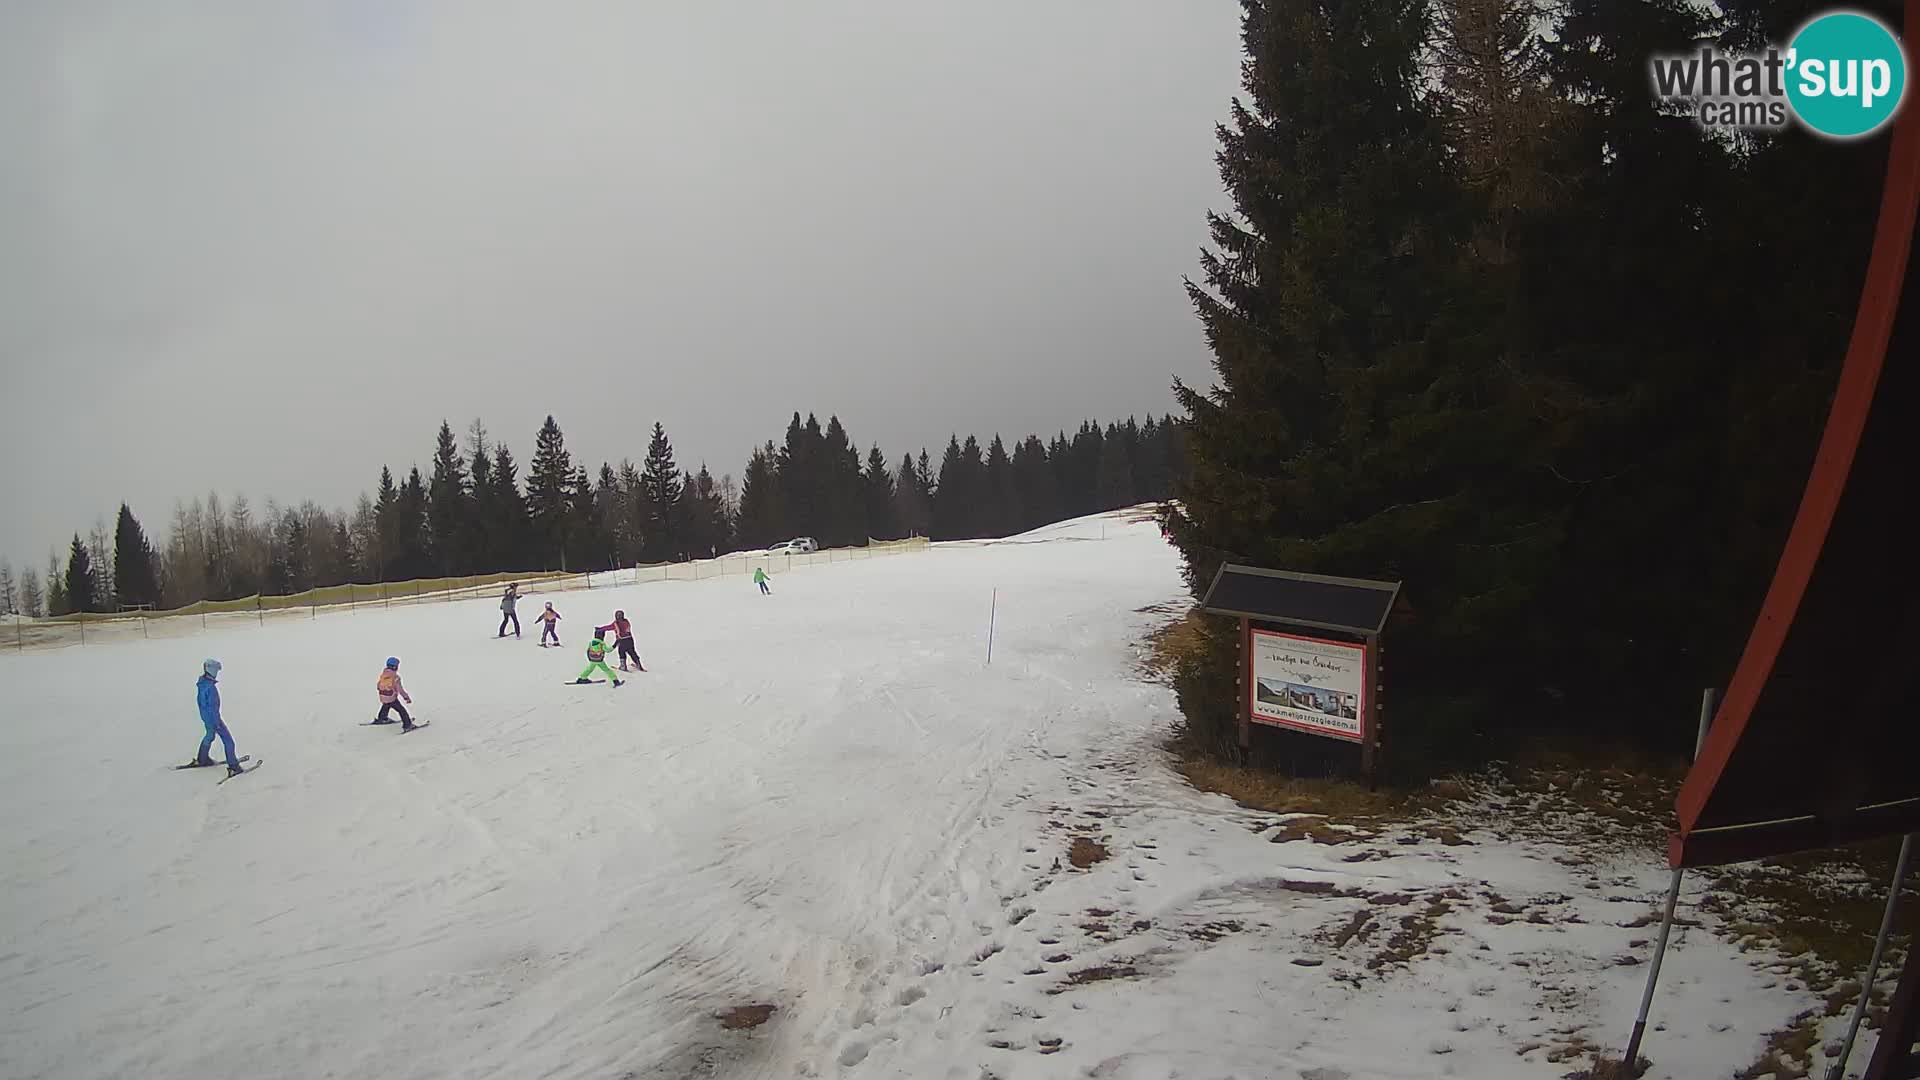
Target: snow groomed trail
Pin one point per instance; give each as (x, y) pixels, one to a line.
(823, 800)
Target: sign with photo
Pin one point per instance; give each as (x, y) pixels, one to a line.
(1308, 684)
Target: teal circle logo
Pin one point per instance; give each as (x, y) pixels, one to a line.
(1846, 74)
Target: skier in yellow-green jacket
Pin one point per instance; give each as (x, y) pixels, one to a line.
(597, 660)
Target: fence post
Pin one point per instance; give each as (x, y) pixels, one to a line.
(143, 627)
(259, 610)
(83, 630)
(19, 635)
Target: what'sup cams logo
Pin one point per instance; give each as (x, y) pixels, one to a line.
(1843, 76)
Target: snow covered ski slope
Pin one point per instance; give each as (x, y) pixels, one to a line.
(821, 800)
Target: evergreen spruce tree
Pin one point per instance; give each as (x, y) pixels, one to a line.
(9, 595)
(1113, 484)
(760, 521)
(1035, 501)
(660, 479)
(1060, 464)
(703, 515)
(448, 506)
(549, 500)
(509, 533)
(844, 511)
(81, 591)
(481, 513)
(1365, 423)
(388, 540)
(973, 500)
(413, 533)
(877, 486)
(136, 578)
(953, 496)
(910, 509)
(588, 547)
(999, 505)
(342, 569)
(631, 522)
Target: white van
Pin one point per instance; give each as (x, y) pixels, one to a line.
(799, 545)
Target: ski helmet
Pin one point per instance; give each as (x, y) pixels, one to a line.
(212, 669)
(393, 661)
(619, 614)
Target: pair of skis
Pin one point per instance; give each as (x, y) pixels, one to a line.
(242, 761)
(417, 725)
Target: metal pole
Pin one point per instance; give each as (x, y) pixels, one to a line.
(993, 614)
(19, 635)
(1879, 952)
(1666, 919)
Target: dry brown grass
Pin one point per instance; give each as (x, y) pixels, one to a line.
(1415, 936)
(1318, 830)
(1101, 974)
(746, 1017)
(1789, 1053)
(1607, 1068)
(1086, 852)
(1263, 789)
(1166, 646)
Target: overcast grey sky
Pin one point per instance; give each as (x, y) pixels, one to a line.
(265, 247)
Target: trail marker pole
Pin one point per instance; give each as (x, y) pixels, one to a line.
(993, 613)
(1666, 917)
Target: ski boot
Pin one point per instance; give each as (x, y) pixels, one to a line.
(234, 770)
(619, 682)
(407, 726)
(581, 682)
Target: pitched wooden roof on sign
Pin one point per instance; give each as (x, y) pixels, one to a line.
(1346, 605)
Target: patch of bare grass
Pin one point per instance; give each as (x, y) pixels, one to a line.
(1789, 1053)
(1415, 936)
(1264, 789)
(746, 1017)
(1102, 973)
(1183, 637)
(1608, 1068)
(1085, 852)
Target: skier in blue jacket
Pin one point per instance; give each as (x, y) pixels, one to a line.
(209, 695)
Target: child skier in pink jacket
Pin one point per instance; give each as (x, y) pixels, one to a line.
(392, 692)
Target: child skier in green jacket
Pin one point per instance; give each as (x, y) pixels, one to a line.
(597, 658)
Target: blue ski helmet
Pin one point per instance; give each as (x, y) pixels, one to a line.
(393, 661)
(212, 668)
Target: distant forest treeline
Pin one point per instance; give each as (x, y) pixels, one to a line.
(472, 513)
